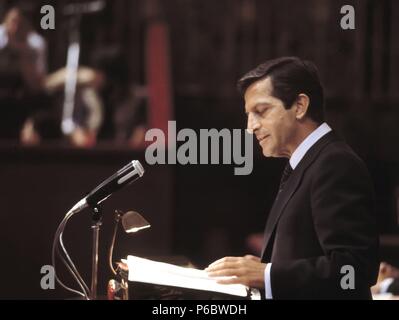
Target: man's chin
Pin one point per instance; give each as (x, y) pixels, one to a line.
(267, 153)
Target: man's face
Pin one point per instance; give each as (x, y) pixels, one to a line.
(15, 24)
(274, 126)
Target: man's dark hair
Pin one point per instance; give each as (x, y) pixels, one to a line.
(290, 76)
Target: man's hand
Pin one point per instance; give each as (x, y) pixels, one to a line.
(387, 271)
(246, 270)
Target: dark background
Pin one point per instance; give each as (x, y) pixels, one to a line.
(201, 212)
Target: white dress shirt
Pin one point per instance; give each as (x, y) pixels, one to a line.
(296, 157)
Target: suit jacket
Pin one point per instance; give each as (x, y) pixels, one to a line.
(322, 221)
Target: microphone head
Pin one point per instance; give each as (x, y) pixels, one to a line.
(133, 221)
(139, 168)
(129, 173)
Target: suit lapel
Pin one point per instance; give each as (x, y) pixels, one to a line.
(291, 186)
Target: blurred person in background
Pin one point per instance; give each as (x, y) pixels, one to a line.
(32, 99)
(23, 68)
(125, 102)
(88, 110)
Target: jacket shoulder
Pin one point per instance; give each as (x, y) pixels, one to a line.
(338, 158)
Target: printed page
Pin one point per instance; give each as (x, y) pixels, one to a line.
(149, 271)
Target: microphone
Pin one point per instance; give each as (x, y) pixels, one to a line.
(129, 173)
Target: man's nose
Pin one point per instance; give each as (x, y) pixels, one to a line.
(252, 124)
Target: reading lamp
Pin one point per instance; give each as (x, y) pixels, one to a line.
(132, 222)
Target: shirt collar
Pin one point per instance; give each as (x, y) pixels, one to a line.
(306, 144)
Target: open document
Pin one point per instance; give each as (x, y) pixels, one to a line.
(160, 273)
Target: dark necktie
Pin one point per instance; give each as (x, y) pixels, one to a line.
(286, 174)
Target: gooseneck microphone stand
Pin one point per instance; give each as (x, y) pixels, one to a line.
(125, 176)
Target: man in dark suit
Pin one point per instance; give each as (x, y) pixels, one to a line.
(320, 240)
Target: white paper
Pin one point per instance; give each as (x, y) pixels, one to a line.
(149, 271)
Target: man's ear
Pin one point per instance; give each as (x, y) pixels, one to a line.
(302, 105)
